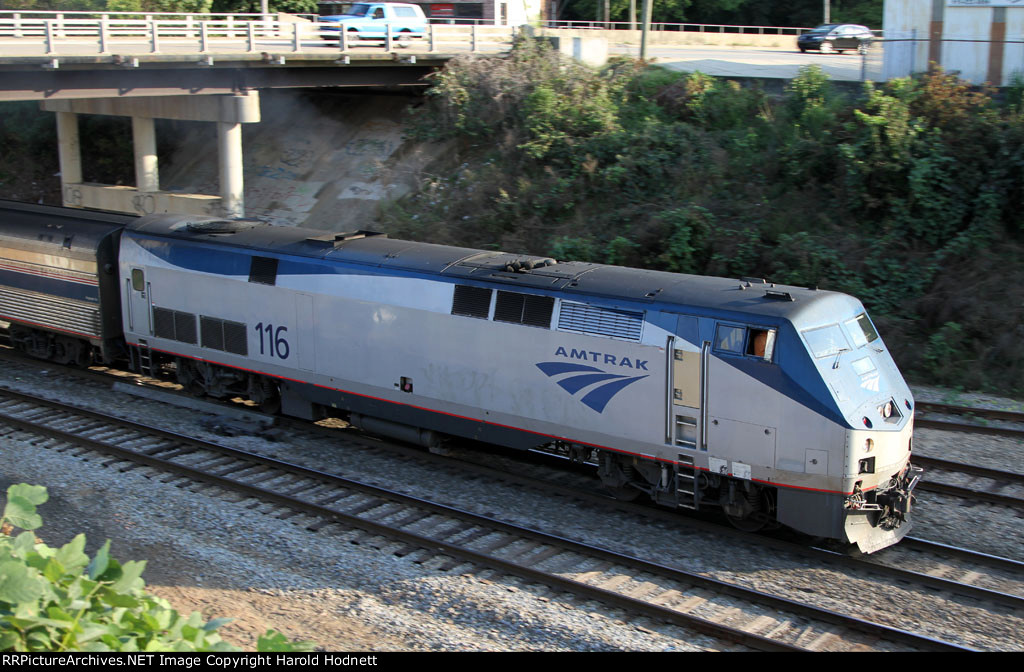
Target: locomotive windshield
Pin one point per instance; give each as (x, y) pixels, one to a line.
(825, 341)
(861, 330)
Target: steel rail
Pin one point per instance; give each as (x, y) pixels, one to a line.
(968, 493)
(670, 615)
(1011, 477)
(990, 413)
(603, 499)
(996, 561)
(968, 427)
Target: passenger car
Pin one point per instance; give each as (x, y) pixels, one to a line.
(370, 20)
(836, 37)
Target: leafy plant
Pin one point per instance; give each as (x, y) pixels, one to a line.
(63, 600)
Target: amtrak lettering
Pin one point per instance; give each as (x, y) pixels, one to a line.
(639, 364)
(603, 385)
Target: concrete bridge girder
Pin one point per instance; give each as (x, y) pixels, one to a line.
(229, 112)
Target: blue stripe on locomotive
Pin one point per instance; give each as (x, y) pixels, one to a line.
(799, 380)
(66, 289)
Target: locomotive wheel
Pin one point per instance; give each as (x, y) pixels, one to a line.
(748, 524)
(190, 378)
(757, 514)
(270, 403)
(622, 494)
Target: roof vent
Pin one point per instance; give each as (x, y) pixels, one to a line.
(524, 265)
(220, 225)
(778, 296)
(338, 239)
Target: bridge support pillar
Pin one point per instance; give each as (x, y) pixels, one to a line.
(229, 156)
(229, 112)
(147, 177)
(69, 148)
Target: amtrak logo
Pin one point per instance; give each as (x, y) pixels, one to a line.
(577, 377)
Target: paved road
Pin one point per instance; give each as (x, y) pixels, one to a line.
(760, 61)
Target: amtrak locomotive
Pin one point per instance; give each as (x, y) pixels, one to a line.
(776, 405)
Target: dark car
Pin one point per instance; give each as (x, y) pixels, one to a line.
(834, 37)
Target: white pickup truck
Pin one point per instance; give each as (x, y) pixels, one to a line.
(370, 20)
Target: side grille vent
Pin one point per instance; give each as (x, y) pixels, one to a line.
(225, 336)
(527, 309)
(175, 325)
(580, 318)
(472, 301)
(263, 270)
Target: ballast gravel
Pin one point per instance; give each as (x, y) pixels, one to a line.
(226, 559)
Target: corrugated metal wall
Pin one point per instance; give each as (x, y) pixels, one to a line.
(982, 41)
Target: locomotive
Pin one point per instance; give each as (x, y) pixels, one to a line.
(776, 405)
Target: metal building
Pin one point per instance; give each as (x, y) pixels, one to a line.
(982, 40)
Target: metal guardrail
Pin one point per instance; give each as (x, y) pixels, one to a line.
(679, 27)
(60, 33)
(254, 33)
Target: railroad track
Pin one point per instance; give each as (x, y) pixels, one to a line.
(932, 565)
(983, 414)
(995, 486)
(405, 525)
(980, 575)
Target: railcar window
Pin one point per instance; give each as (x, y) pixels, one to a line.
(730, 339)
(761, 343)
(825, 341)
(472, 301)
(861, 330)
(138, 280)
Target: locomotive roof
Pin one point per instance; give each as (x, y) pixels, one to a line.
(523, 271)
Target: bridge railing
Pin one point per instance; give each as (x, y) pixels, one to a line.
(69, 35)
(679, 27)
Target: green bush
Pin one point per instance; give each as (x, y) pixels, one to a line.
(906, 195)
(60, 599)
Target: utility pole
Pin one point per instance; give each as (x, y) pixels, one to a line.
(646, 11)
(632, 14)
(828, 11)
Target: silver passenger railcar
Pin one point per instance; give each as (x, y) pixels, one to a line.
(59, 282)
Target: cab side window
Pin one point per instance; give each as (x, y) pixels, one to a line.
(138, 280)
(749, 341)
(729, 338)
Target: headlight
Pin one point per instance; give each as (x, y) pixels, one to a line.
(887, 410)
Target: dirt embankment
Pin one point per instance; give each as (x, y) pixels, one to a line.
(318, 158)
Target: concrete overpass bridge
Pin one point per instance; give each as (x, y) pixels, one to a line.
(196, 68)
